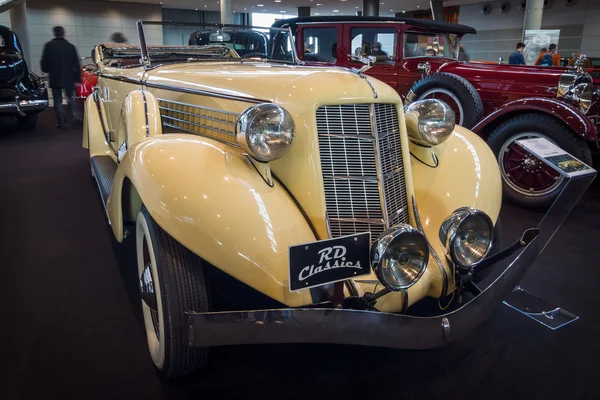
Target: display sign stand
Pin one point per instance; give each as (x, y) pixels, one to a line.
(578, 176)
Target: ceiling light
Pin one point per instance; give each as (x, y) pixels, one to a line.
(260, 5)
(316, 14)
(319, 4)
(283, 12)
(196, 9)
(418, 6)
(356, 7)
(336, 10)
(277, 1)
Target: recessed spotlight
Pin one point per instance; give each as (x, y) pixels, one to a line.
(343, 0)
(336, 10)
(356, 7)
(418, 6)
(196, 9)
(319, 4)
(277, 1)
(382, 3)
(260, 5)
(205, 6)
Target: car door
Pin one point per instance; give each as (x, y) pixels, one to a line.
(378, 40)
(318, 44)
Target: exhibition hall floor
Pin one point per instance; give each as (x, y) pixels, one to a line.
(71, 325)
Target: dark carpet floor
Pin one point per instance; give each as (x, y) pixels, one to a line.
(70, 324)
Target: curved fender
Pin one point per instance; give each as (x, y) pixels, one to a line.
(209, 198)
(141, 116)
(571, 116)
(93, 135)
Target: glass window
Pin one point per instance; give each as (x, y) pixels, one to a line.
(378, 42)
(320, 44)
(431, 44)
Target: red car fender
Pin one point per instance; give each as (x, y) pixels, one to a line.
(571, 116)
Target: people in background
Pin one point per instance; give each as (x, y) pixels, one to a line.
(61, 62)
(575, 56)
(118, 37)
(377, 50)
(516, 57)
(431, 52)
(549, 58)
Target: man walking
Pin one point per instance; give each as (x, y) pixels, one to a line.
(550, 58)
(61, 62)
(516, 57)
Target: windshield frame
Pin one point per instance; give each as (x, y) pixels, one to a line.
(146, 49)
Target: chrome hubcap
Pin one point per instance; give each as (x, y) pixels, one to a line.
(149, 296)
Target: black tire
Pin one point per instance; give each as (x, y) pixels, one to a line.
(181, 287)
(534, 125)
(478, 276)
(28, 122)
(434, 86)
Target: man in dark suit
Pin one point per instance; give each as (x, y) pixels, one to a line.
(61, 62)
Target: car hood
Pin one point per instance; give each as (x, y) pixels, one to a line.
(272, 83)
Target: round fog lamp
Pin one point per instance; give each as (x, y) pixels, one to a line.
(467, 236)
(399, 257)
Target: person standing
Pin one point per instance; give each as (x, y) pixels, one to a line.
(585, 63)
(516, 57)
(549, 58)
(61, 62)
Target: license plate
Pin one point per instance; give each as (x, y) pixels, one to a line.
(327, 261)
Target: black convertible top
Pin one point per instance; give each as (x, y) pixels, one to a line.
(433, 25)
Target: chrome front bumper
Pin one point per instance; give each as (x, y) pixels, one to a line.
(374, 328)
(369, 328)
(23, 106)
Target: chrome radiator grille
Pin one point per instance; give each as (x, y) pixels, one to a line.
(363, 174)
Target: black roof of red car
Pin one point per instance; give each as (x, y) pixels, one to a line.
(440, 26)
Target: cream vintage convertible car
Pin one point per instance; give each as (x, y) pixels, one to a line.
(276, 203)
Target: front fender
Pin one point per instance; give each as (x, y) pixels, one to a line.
(571, 116)
(467, 174)
(209, 198)
(140, 115)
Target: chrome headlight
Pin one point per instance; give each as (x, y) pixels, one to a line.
(582, 95)
(399, 257)
(467, 236)
(430, 121)
(265, 131)
(565, 84)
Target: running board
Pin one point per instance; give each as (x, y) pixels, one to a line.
(104, 170)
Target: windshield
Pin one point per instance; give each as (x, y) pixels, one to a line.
(184, 42)
(425, 44)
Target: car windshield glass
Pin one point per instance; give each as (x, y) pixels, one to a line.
(184, 42)
(423, 44)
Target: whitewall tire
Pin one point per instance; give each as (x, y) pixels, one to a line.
(172, 282)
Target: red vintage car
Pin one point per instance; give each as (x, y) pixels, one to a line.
(503, 103)
(89, 79)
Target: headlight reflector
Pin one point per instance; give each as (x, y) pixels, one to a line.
(467, 236)
(399, 257)
(265, 131)
(582, 96)
(429, 121)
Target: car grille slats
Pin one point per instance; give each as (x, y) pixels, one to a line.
(360, 196)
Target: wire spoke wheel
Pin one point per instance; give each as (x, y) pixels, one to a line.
(525, 173)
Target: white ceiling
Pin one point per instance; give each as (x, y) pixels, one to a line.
(322, 7)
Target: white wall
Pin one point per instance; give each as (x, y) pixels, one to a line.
(499, 33)
(87, 23)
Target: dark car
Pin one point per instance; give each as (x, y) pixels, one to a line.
(23, 94)
(502, 103)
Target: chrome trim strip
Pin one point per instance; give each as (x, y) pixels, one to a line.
(146, 110)
(197, 134)
(24, 104)
(199, 126)
(120, 78)
(197, 106)
(107, 133)
(204, 93)
(432, 252)
(349, 137)
(196, 115)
